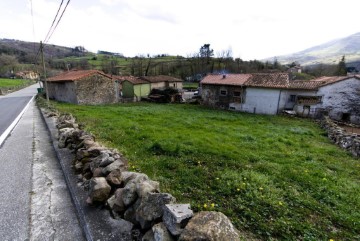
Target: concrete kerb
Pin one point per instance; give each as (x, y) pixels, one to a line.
(95, 222)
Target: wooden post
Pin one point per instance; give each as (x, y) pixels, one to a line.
(44, 70)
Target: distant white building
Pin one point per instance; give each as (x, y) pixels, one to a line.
(339, 97)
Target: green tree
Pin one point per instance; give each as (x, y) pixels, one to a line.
(341, 68)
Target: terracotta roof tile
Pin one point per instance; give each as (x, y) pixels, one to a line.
(230, 79)
(132, 79)
(316, 83)
(75, 75)
(160, 78)
(273, 80)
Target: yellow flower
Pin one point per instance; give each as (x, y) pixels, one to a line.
(217, 178)
(260, 188)
(213, 205)
(238, 189)
(331, 239)
(205, 205)
(280, 203)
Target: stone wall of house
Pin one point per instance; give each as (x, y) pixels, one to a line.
(95, 89)
(133, 196)
(339, 136)
(62, 91)
(344, 104)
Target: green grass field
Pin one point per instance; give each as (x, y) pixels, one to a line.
(9, 83)
(276, 177)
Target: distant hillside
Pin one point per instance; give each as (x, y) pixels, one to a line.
(27, 51)
(328, 53)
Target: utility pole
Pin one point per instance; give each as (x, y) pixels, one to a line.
(44, 69)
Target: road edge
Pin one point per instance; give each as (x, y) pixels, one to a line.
(7, 132)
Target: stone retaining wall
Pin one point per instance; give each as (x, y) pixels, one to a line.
(133, 196)
(339, 136)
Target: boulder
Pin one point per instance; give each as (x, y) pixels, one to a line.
(151, 208)
(64, 135)
(118, 164)
(176, 217)
(107, 161)
(114, 178)
(161, 233)
(146, 187)
(209, 226)
(129, 194)
(149, 236)
(129, 214)
(99, 189)
(97, 172)
(115, 202)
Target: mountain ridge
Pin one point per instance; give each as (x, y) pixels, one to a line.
(328, 53)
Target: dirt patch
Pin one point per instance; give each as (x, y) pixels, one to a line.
(351, 129)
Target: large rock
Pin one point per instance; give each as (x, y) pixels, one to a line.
(114, 178)
(129, 194)
(115, 202)
(161, 233)
(118, 164)
(146, 187)
(64, 135)
(209, 226)
(133, 176)
(99, 189)
(149, 236)
(176, 217)
(151, 208)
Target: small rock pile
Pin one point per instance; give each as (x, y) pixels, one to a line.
(340, 137)
(132, 196)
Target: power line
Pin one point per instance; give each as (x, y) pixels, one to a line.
(46, 40)
(62, 1)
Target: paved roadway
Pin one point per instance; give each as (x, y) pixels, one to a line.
(34, 201)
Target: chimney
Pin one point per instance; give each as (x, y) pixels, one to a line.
(224, 76)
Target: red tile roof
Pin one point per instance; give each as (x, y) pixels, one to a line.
(273, 80)
(132, 79)
(230, 79)
(75, 75)
(160, 78)
(319, 82)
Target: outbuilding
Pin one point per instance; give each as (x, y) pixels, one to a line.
(83, 87)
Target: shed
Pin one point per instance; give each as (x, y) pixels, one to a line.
(134, 88)
(83, 87)
(163, 81)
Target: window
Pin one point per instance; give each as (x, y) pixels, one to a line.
(237, 94)
(292, 98)
(223, 92)
(309, 100)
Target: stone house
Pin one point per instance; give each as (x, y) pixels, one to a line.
(163, 81)
(254, 93)
(339, 97)
(134, 88)
(83, 87)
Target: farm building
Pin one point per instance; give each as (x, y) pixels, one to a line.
(134, 88)
(339, 97)
(163, 81)
(83, 87)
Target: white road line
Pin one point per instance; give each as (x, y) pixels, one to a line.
(13, 124)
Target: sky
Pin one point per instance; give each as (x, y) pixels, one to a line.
(251, 29)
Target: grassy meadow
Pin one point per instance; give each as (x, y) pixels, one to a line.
(276, 177)
(13, 83)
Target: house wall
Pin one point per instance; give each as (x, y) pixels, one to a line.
(141, 90)
(264, 101)
(158, 85)
(342, 98)
(95, 89)
(175, 85)
(212, 96)
(127, 89)
(62, 91)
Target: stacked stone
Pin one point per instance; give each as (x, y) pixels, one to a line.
(349, 142)
(132, 196)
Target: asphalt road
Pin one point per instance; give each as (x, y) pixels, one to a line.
(34, 201)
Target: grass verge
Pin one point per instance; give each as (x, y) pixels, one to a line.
(13, 83)
(277, 177)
